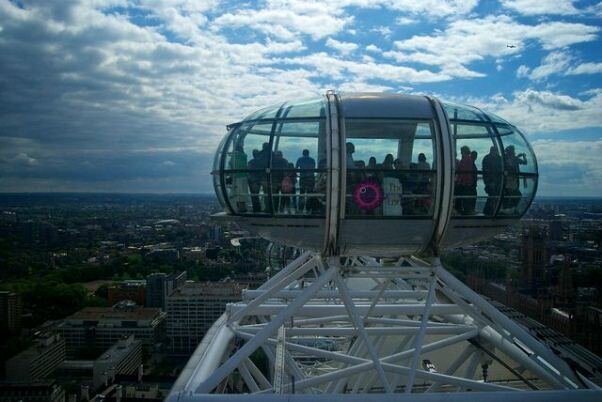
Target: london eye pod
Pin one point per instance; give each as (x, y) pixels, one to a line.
(374, 174)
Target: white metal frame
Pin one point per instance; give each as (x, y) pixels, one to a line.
(358, 325)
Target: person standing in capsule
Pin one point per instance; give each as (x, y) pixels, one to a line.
(306, 164)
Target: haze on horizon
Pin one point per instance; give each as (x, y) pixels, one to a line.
(134, 95)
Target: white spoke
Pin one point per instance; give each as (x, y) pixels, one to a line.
(257, 374)
(420, 335)
(249, 380)
(357, 321)
(254, 343)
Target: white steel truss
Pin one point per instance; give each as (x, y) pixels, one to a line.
(360, 325)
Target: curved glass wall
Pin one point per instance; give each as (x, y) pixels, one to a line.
(496, 170)
(217, 178)
(275, 162)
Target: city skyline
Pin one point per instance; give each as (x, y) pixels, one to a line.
(131, 96)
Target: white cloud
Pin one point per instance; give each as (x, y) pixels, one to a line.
(546, 111)
(595, 9)
(368, 59)
(360, 86)
(101, 80)
(386, 32)
(433, 8)
(522, 71)
(324, 65)
(405, 21)
(541, 7)
(569, 167)
(373, 48)
(556, 35)
(586, 68)
(557, 62)
(342, 47)
(466, 41)
(550, 100)
(287, 19)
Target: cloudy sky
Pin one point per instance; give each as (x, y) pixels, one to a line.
(134, 95)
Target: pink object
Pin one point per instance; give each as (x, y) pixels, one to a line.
(368, 194)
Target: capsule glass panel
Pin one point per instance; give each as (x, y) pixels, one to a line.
(298, 150)
(269, 112)
(245, 168)
(517, 152)
(479, 166)
(390, 170)
(496, 170)
(304, 109)
(463, 112)
(520, 172)
(217, 176)
(271, 161)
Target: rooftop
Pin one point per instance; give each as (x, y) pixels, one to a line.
(109, 313)
(41, 344)
(119, 350)
(208, 288)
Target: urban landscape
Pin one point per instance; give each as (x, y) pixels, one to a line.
(107, 295)
(292, 200)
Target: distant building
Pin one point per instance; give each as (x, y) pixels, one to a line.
(37, 362)
(128, 290)
(217, 234)
(37, 391)
(193, 308)
(11, 309)
(160, 285)
(565, 291)
(534, 258)
(124, 357)
(98, 328)
(556, 230)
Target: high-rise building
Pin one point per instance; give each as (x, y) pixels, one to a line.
(98, 328)
(38, 361)
(534, 258)
(160, 285)
(155, 289)
(193, 308)
(556, 230)
(565, 292)
(11, 308)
